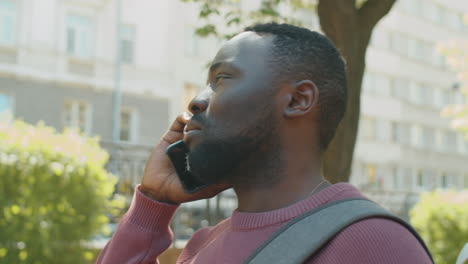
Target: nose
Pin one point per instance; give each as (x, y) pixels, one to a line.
(200, 103)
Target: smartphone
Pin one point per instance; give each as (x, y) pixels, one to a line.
(177, 153)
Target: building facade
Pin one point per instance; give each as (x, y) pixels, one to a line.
(406, 86)
(57, 65)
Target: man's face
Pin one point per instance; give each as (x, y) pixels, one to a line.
(235, 115)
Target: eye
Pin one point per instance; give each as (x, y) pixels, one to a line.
(221, 77)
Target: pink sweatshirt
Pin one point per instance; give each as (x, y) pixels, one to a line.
(144, 233)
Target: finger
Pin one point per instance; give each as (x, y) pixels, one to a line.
(176, 130)
(180, 122)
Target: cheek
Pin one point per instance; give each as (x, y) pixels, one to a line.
(234, 107)
(235, 115)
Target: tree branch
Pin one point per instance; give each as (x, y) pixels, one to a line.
(336, 17)
(372, 11)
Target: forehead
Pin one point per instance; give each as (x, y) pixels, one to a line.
(245, 49)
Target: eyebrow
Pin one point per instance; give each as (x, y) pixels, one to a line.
(217, 65)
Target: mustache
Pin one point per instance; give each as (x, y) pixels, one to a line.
(201, 120)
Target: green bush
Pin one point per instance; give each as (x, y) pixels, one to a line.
(54, 194)
(441, 218)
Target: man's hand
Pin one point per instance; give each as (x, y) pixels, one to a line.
(160, 181)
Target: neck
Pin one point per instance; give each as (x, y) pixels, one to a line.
(281, 182)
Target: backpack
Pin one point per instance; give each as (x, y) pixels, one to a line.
(296, 242)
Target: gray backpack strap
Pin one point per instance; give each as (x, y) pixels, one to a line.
(304, 235)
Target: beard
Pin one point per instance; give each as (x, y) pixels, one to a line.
(229, 159)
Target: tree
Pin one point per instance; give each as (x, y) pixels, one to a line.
(54, 193)
(348, 23)
(441, 218)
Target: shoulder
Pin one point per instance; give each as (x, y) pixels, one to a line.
(203, 236)
(374, 240)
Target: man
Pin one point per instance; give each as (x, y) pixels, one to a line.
(274, 98)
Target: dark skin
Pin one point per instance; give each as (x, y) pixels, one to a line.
(239, 82)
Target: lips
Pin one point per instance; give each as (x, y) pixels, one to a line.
(191, 132)
(191, 126)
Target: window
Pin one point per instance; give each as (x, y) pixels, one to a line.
(399, 43)
(414, 49)
(8, 14)
(395, 132)
(192, 42)
(78, 116)
(446, 180)
(127, 44)
(438, 60)
(411, 6)
(450, 141)
(368, 128)
(401, 133)
(6, 107)
(382, 85)
(417, 136)
(427, 94)
(465, 181)
(431, 11)
(80, 36)
(382, 130)
(453, 20)
(128, 125)
(406, 179)
(381, 39)
(427, 50)
(190, 91)
(415, 92)
(396, 178)
(424, 179)
(460, 148)
(459, 98)
(448, 97)
(369, 83)
(419, 178)
(401, 88)
(428, 137)
(438, 97)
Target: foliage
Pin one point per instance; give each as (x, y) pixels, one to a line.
(456, 53)
(55, 194)
(441, 218)
(234, 17)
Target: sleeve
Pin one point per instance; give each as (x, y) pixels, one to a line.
(142, 235)
(374, 240)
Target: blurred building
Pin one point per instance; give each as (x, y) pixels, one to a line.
(404, 145)
(57, 64)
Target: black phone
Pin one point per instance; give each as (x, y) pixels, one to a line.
(177, 153)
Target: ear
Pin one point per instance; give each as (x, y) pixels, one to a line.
(303, 97)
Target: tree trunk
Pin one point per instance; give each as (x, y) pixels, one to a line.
(350, 29)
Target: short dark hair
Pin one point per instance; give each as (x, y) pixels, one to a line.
(301, 54)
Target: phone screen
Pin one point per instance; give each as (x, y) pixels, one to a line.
(177, 153)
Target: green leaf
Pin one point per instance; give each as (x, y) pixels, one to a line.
(206, 11)
(206, 30)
